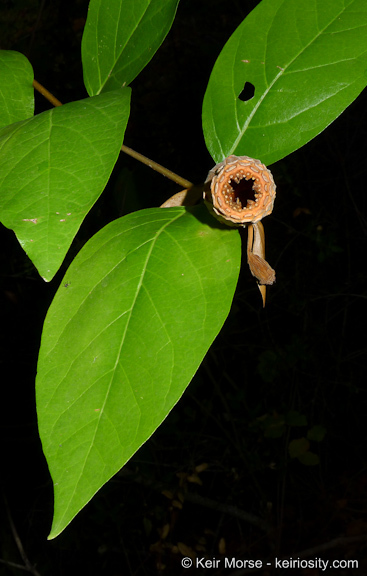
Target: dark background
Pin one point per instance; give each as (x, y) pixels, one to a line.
(270, 376)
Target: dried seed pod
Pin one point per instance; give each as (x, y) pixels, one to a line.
(240, 190)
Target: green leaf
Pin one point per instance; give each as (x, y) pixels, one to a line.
(130, 324)
(16, 90)
(307, 62)
(294, 418)
(298, 447)
(53, 168)
(309, 459)
(316, 433)
(120, 38)
(268, 365)
(274, 426)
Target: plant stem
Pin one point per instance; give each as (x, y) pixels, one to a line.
(50, 97)
(157, 167)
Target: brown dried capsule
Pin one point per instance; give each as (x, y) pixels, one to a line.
(240, 190)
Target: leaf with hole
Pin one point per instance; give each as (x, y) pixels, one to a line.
(120, 38)
(306, 61)
(129, 326)
(54, 167)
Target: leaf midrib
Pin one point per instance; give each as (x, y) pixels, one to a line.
(286, 66)
(119, 353)
(117, 58)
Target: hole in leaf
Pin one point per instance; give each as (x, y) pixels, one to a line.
(247, 92)
(243, 190)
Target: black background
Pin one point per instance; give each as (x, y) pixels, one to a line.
(304, 355)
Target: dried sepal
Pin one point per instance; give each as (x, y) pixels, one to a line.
(259, 267)
(240, 190)
(187, 197)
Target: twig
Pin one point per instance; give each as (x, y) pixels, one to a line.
(154, 165)
(27, 564)
(202, 501)
(42, 90)
(15, 565)
(157, 167)
(230, 510)
(337, 542)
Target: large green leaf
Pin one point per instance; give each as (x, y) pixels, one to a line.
(53, 168)
(130, 324)
(120, 38)
(16, 90)
(307, 60)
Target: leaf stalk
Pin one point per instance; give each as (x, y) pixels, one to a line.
(143, 159)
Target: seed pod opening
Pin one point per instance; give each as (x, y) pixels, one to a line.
(240, 190)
